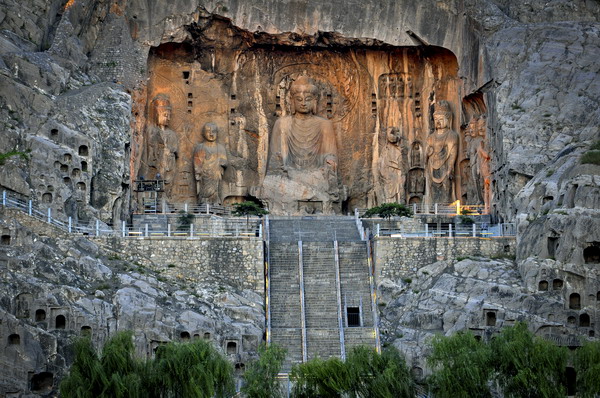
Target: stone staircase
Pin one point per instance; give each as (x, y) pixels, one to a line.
(314, 229)
(310, 291)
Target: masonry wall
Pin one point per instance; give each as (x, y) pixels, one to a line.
(237, 262)
(396, 258)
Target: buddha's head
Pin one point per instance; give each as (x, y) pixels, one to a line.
(210, 132)
(442, 116)
(162, 107)
(304, 96)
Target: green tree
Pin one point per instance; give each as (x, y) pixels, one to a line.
(587, 366)
(184, 370)
(247, 209)
(114, 374)
(180, 370)
(388, 210)
(320, 378)
(462, 366)
(377, 375)
(261, 375)
(365, 374)
(528, 366)
(184, 220)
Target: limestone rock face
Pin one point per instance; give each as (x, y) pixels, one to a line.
(54, 289)
(77, 80)
(482, 296)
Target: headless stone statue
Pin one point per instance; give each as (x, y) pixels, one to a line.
(210, 161)
(442, 147)
(302, 162)
(391, 171)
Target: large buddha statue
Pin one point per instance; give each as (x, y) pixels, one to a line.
(442, 150)
(301, 174)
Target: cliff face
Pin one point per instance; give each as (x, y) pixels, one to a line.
(78, 77)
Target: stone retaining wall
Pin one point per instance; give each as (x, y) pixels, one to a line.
(237, 262)
(396, 258)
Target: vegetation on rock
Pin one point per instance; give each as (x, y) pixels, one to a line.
(388, 210)
(5, 156)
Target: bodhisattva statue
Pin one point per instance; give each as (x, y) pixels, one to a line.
(442, 148)
(163, 143)
(210, 161)
(391, 171)
(302, 161)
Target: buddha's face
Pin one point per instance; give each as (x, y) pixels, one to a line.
(304, 100)
(440, 121)
(210, 133)
(163, 115)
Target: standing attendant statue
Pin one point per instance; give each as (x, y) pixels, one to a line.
(442, 150)
(163, 143)
(391, 171)
(210, 161)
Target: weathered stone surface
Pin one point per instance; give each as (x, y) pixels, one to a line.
(94, 291)
(525, 72)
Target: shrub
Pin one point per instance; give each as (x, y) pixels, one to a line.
(388, 210)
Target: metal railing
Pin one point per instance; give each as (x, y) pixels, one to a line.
(241, 228)
(422, 208)
(474, 230)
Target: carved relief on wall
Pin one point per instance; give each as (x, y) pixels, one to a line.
(475, 166)
(355, 98)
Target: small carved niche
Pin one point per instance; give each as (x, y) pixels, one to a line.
(490, 318)
(5, 240)
(60, 322)
(42, 382)
(54, 133)
(557, 284)
(575, 301)
(14, 339)
(184, 335)
(84, 166)
(67, 158)
(543, 286)
(84, 150)
(206, 336)
(232, 348)
(40, 315)
(47, 197)
(584, 320)
(64, 168)
(552, 246)
(86, 331)
(591, 254)
(81, 186)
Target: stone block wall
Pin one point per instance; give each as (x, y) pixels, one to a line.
(238, 262)
(396, 258)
